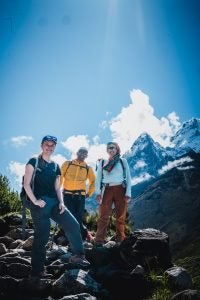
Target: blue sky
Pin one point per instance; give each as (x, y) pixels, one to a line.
(92, 71)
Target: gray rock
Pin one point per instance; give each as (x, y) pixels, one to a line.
(15, 244)
(83, 296)
(27, 244)
(16, 259)
(179, 278)
(15, 234)
(18, 270)
(187, 295)
(3, 249)
(8, 284)
(6, 240)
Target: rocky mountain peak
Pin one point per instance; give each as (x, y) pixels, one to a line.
(187, 137)
(146, 156)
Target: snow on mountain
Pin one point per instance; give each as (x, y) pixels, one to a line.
(187, 138)
(146, 157)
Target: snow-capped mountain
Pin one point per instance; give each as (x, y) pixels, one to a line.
(148, 160)
(187, 138)
(146, 157)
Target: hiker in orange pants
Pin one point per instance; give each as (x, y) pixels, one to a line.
(113, 186)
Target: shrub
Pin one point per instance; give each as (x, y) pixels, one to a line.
(9, 200)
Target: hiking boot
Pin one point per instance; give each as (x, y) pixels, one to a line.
(98, 243)
(80, 260)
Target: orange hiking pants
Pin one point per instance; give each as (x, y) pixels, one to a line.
(112, 195)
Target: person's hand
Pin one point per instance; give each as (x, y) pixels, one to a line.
(62, 207)
(41, 203)
(99, 199)
(127, 198)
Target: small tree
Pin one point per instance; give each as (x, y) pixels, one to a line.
(9, 200)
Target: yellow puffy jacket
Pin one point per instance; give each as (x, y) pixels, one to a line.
(75, 175)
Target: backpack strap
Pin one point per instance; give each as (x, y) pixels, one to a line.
(124, 171)
(34, 172)
(71, 163)
(102, 163)
(87, 168)
(24, 200)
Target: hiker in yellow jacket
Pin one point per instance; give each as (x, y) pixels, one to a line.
(75, 175)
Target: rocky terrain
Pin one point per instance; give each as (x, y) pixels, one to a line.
(117, 271)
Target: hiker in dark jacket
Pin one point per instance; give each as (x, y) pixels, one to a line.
(113, 186)
(46, 202)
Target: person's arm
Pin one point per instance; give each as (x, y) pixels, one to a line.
(91, 177)
(59, 195)
(128, 179)
(27, 186)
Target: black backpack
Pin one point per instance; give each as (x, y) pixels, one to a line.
(25, 200)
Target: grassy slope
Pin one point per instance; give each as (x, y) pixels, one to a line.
(187, 255)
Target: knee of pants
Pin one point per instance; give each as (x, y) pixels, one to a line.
(104, 219)
(69, 223)
(120, 222)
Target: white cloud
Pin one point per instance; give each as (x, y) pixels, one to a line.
(96, 139)
(174, 163)
(19, 141)
(96, 152)
(74, 142)
(139, 117)
(174, 120)
(59, 159)
(141, 178)
(95, 149)
(17, 169)
(104, 124)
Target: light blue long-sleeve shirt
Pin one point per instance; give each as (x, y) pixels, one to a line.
(115, 176)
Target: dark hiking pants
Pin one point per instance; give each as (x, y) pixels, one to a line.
(76, 205)
(41, 220)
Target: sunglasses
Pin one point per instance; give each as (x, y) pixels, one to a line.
(111, 148)
(83, 153)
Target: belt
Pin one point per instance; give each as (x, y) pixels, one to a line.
(75, 192)
(112, 184)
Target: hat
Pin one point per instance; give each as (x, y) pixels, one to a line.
(83, 149)
(49, 138)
